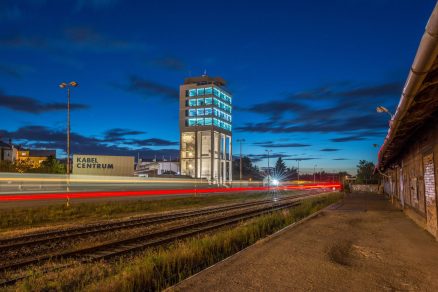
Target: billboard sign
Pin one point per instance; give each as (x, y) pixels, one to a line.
(103, 165)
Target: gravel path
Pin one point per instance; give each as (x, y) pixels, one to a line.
(361, 245)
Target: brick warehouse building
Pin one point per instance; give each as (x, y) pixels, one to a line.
(408, 158)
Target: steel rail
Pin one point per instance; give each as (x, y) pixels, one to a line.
(45, 237)
(124, 246)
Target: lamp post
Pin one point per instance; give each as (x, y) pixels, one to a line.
(240, 141)
(64, 85)
(382, 109)
(314, 173)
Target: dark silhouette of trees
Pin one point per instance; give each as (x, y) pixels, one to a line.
(249, 171)
(365, 173)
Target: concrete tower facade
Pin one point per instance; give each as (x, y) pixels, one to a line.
(205, 129)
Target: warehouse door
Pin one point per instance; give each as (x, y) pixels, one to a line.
(430, 192)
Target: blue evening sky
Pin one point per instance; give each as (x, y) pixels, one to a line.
(306, 76)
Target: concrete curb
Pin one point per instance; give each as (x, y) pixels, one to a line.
(260, 241)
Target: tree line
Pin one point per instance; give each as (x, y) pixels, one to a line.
(50, 165)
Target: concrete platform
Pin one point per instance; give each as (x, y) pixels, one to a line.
(362, 244)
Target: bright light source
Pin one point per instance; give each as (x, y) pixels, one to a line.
(275, 182)
(382, 109)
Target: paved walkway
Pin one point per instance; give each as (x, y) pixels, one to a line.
(361, 245)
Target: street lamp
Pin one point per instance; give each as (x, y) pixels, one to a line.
(382, 109)
(314, 168)
(269, 169)
(240, 141)
(64, 85)
(298, 170)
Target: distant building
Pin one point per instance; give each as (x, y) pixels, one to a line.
(8, 152)
(205, 128)
(408, 158)
(36, 156)
(155, 168)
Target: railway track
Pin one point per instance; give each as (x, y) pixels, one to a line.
(71, 233)
(134, 244)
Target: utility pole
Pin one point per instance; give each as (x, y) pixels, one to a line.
(314, 173)
(240, 176)
(269, 170)
(298, 160)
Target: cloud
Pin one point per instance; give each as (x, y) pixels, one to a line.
(88, 39)
(275, 108)
(149, 88)
(118, 134)
(387, 89)
(34, 106)
(280, 145)
(169, 63)
(348, 138)
(329, 149)
(11, 13)
(71, 39)
(259, 157)
(43, 137)
(341, 159)
(153, 142)
(329, 109)
(10, 71)
(301, 158)
(94, 4)
(83, 35)
(12, 40)
(335, 124)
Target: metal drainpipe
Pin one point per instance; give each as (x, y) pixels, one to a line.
(426, 55)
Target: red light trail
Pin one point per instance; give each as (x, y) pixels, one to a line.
(107, 194)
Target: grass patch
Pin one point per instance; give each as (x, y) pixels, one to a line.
(37, 216)
(157, 269)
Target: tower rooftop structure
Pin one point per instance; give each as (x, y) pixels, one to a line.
(204, 79)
